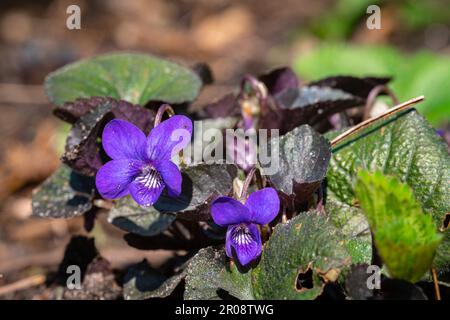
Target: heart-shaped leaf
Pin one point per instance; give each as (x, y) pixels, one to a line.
(136, 78)
(404, 146)
(300, 257)
(305, 105)
(84, 152)
(146, 221)
(65, 194)
(302, 164)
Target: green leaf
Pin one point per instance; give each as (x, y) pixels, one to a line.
(65, 194)
(405, 237)
(303, 160)
(145, 221)
(209, 273)
(300, 257)
(136, 78)
(404, 146)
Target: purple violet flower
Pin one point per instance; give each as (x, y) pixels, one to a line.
(242, 221)
(142, 166)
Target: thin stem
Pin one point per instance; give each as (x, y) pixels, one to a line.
(374, 93)
(161, 110)
(436, 284)
(247, 182)
(259, 179)
(252, 101)
(367, 122)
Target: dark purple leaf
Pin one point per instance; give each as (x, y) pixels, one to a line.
(279, 80)
(83, 152)
(359, 87)
(72, 111)
(227, 106)
(303, 160)
(305, 105)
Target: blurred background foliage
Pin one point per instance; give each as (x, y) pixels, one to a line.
(422, 73)
(412, 15)
(412, 47)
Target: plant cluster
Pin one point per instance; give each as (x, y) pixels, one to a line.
(306, 231)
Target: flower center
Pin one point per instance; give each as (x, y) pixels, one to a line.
(150, 178)
(242, 235)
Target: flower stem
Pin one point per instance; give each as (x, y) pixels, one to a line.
(374, 93)
(161, 110)
(436, 284)
(247, 182)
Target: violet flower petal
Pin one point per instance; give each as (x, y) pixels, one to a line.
(228, 247)
(123, 140)
(147, 187)
(169, 137)
(171, 176)
(227, 211)
(113, 178)
(264, 205)
(245, 239)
